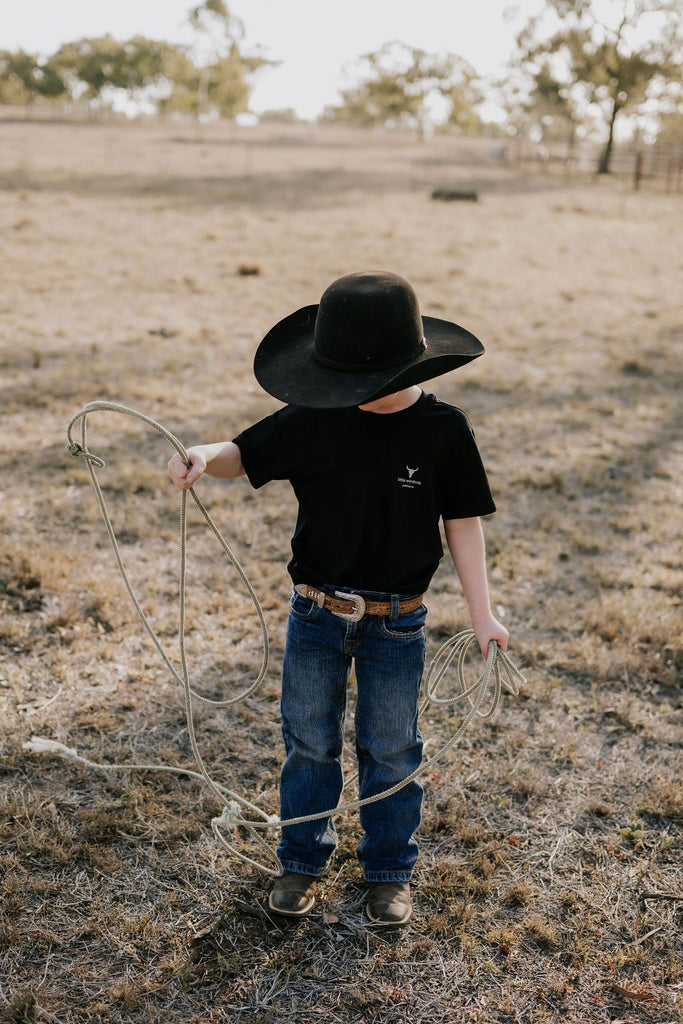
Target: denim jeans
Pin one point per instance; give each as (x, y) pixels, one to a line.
(389, 655)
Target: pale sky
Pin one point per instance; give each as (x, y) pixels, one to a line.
(314, 39)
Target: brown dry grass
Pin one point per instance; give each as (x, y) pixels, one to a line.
(549, 885)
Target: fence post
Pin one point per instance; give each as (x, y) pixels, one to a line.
(637, 170)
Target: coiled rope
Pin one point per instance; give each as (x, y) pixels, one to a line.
(499, 668)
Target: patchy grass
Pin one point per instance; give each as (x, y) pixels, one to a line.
(549, 882)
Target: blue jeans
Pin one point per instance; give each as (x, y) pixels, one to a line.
(389, 655)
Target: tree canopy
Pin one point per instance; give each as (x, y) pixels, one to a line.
(89, 66)
(25, 78)
(402, 85)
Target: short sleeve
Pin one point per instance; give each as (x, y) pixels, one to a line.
(466, 492)
(269, 448)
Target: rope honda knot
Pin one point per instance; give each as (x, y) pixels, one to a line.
(77, 450)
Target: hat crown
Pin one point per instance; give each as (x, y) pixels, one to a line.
(368, 321)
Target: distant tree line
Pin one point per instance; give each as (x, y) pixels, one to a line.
(213, 74)
(574, 72)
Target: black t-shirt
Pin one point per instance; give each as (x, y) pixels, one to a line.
(371, 488)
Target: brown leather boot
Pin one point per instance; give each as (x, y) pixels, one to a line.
(389, 903)
(292, 894)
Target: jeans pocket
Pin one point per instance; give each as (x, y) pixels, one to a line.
(302, 607)
(409, 626)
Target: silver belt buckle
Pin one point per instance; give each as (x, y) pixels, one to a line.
(358, 606)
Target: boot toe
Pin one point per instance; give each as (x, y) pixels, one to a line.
(389, 903)
(292, 894)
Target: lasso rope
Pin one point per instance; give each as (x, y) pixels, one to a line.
(498, 667)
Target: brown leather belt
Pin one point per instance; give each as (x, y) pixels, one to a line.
(352, 606)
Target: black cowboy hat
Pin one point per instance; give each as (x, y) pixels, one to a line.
(364, 340)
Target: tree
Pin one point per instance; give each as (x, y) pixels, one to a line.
(593, 64)
(404, 86)
(24, 78)
(221, 86)
(546, 111)
(93, 66)
(223, 71)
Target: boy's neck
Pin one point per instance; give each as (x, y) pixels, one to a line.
(397, 402)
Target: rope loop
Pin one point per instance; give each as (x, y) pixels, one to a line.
(498, 668)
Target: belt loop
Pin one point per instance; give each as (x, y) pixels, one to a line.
(395, 606)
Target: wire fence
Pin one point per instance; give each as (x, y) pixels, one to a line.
(658, 168)
(454, 164)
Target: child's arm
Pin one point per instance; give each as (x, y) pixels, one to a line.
(222, 459)
(465, 539)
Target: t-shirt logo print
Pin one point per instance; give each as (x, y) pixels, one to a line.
(409, 482)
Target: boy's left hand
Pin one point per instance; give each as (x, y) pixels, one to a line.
(488, 628)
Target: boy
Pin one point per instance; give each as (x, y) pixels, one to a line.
(375, 465)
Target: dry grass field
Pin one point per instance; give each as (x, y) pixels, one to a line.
(141, 264)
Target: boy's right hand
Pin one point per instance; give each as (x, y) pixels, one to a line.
(185, 476)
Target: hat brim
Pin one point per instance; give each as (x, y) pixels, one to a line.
(286, 367)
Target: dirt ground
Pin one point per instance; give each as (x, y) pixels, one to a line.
(141, 265)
